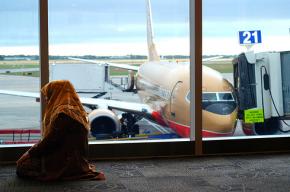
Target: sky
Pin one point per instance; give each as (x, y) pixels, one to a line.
(223, 19)
(118, 27)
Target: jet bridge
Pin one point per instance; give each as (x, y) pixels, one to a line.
(262, 83)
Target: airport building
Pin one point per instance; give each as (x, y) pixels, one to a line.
(180, 95)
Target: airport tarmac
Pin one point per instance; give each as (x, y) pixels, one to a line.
(19, 111)
(24, 113)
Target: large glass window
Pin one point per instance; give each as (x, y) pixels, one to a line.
(246, 58)
(19, 72)
(107, 50)
(244, 87)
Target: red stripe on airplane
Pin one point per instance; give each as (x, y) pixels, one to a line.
(182, 130)
(20, 131)
(212, 134)
(158, 118)
(19, 142)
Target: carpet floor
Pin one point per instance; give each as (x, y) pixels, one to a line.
(264, 172)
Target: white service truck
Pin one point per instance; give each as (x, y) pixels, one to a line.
(84, 76)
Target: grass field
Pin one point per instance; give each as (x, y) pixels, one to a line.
(18, 64)
(223, 66)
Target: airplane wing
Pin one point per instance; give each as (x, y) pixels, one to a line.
(139, 109)
(132, 107)
(20, 93)
(121, 66)
(118, 105)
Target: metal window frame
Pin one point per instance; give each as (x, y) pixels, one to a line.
(99, 150)
(195, 146)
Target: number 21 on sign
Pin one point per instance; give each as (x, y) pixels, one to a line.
(250, 37)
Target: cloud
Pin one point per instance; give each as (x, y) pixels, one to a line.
(231, 46)
(165, 46)
(245, 9)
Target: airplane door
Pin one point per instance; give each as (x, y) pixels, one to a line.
(173, 108)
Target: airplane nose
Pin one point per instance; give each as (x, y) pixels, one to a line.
(221, 124)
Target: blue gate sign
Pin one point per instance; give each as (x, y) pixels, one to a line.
(250, 37)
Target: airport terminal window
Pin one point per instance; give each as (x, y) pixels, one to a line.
(245, 52)
(223, 64)
(19, 72)
(102, 48)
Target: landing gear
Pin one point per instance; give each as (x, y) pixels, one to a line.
(129, 128)
(128, 124)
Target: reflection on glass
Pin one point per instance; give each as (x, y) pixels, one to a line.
(250, 50)
(19, 71)
(139, 86)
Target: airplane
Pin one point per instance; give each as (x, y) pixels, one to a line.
(164, 89)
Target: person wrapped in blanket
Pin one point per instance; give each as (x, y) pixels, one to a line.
(62, 151)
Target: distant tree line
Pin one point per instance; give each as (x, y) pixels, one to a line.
(223, 56)
(94, 57)
(175, 56)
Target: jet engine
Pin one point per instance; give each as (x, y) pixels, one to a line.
(104, 123)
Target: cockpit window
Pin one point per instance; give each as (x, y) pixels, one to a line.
(225, 97)
(222, 103)
(217, 96)
(209, 97)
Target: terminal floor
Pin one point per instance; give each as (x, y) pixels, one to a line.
(263, 172)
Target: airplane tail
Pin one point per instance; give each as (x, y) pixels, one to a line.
(152, 53)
